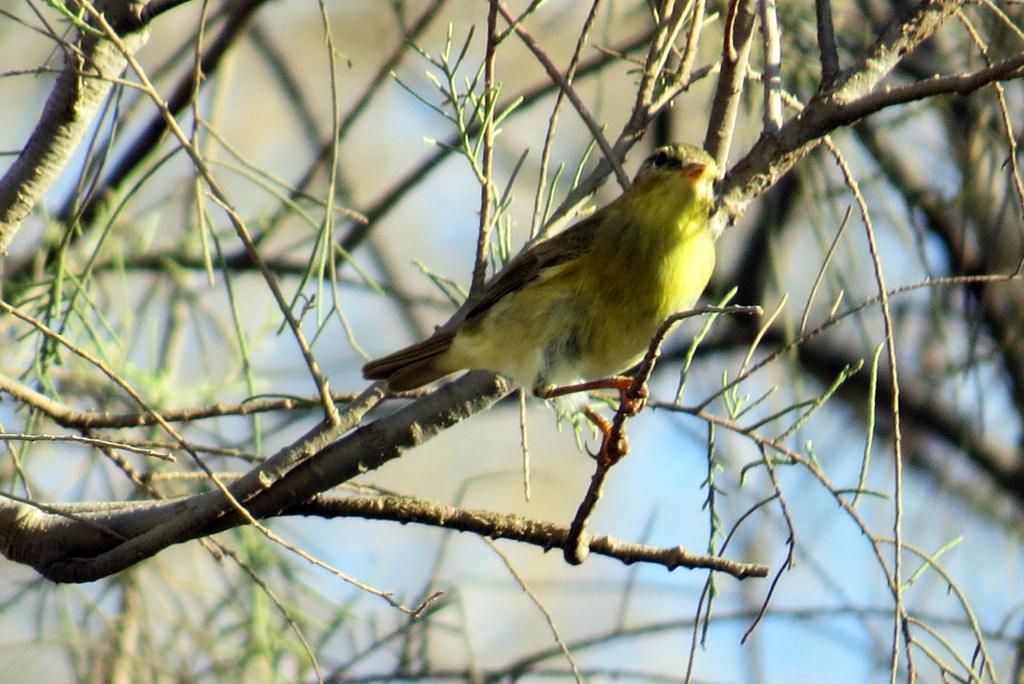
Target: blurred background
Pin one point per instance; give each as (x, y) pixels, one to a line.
(130, 258)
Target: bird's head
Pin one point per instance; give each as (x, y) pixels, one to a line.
(684, 172)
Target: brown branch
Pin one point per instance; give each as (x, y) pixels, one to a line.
(828, 54)
(900, 623)
(851, 97)
(518, 528)
(65, 416)
(672, 16)
(100, 443)
(123, 534)
(737, 41)
(610, 156)
(50, 526)
(685, 70)
(157, 7)
(614, 444)
(959, 84)
(487, 165)
(311, 464)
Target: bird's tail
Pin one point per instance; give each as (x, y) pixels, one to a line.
(414, 366)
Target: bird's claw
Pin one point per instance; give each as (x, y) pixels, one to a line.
(613, 447)
(633, 399)
(614, 451)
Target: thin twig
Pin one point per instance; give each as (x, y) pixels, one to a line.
(361, 102)
(834, 318)
(91, 441)
(524, 443)
(66, 416)
(487, 164)
(706, 590)
(219, 196)
(1004, 110)
(821, 270)
(685, 71)
(672, 16)
(900, 623)
(570, 93)
(390, 197)
(521, 581)
(549, 136)
(184, 92)
(790, 542)
(614, 444)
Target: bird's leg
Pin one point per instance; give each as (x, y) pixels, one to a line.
(632, 394)
(614, 444)
(632, 397)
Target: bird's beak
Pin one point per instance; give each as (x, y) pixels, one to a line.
(693, 170)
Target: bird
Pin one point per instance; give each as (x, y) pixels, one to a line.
(584, 304)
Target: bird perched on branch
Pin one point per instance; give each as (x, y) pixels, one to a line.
(584, 304)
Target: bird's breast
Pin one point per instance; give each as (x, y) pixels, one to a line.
(637, 292)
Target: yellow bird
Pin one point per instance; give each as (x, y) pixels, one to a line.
(585, 303)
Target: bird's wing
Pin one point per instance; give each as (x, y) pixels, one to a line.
(529, 265)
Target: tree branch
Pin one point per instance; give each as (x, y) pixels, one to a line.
(518, 528)
(850, 98)
(178, 99)
(90, 67)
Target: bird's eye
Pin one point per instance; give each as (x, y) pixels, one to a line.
(659, 158)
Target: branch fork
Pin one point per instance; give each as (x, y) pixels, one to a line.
(633, 394)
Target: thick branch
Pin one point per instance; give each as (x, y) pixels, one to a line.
(304, 469)
(86, 542)
(829, 55)
(47, 536)
(738, 39)
(90, 67)
(850, 98)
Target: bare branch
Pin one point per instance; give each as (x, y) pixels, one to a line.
(570, 93)
(738, 39)
(851, 97)
(828, 54)
(51, 525)
(90, 67)
(771, 78)
(64, 415)
(487, 183)
(178, 99)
